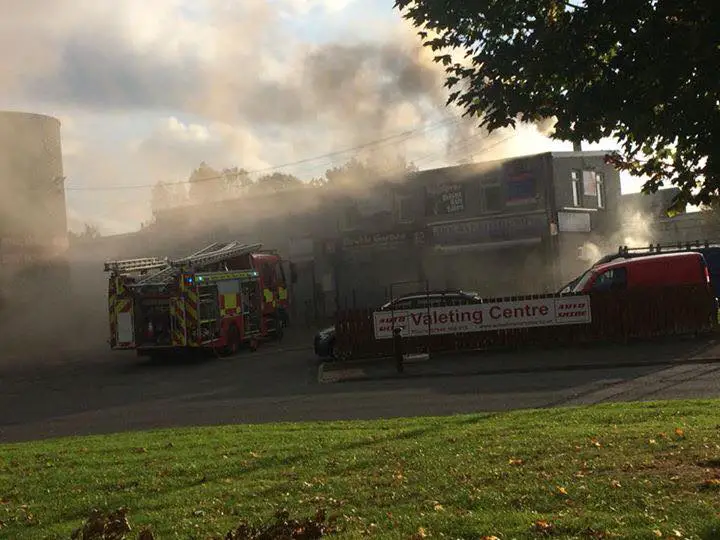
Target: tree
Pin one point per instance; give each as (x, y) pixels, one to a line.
(90, 232)
(167, 195)
(641, 71)
(236, 180)
(360, 172)
(206, 184)
(276, 182)
(161, 197)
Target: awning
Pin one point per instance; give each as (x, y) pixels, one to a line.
(487, 246)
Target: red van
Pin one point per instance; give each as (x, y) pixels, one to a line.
(651, 271)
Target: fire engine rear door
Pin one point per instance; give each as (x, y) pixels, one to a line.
(124, 337)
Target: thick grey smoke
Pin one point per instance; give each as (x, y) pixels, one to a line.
(262, 94)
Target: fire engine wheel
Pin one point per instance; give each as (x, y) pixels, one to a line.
(233, 341)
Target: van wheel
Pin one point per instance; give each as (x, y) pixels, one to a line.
(233, 341)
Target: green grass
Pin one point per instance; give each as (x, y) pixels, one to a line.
(635, 471)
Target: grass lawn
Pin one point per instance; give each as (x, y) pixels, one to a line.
(630, 470)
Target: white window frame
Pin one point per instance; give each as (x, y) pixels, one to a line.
(600, 180)
(576, 192)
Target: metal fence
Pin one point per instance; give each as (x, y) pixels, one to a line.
(616, 317)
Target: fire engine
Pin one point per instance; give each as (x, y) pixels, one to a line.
(223, 296)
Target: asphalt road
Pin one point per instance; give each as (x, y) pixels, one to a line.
(94, 391)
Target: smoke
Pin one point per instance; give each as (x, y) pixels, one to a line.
(635, 231)
(243, 84)
(147, 91)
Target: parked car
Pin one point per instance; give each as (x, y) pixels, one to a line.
(710, 252)
(652, 270)
(324, 342)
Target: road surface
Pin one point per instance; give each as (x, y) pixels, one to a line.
(98, 391)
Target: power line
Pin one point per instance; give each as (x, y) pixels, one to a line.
(378, 142)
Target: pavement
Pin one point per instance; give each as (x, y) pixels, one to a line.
(669, 351)
(87, 390)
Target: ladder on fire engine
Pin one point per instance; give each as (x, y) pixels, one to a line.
(143, 264)
(215, 253)
(211, 254)
(677, 246)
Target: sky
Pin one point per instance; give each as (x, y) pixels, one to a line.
(146, 91)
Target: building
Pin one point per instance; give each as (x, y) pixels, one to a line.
(645, 221)
(507, 227)
(502, 228)
(33, 218)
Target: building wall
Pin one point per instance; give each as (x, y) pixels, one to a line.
(33, 219)
(31, 178)
(488, 227)
(587, 210)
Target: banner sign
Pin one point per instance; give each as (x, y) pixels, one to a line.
(484, 317)
(485, 231)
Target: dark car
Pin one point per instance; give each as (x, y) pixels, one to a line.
(324, 342)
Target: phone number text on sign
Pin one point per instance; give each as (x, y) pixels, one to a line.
(483, 317)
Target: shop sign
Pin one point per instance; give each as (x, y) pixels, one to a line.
(447, 198)
(574, 222)
(483, 231)
(382, 240)
(484, 317)
(521, 189)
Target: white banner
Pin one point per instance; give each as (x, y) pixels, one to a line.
(484, 317)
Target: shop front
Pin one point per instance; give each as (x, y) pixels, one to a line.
(493, 256)
(369, 268)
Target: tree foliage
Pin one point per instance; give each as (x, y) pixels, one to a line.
(362, 172)
(641, 71)
(276, 182)
(206, 184)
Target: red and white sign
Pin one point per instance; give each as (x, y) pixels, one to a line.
(483, 317)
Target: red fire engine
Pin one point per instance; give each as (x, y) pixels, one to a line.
(220, 297)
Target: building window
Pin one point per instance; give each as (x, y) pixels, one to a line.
(404, 209)
(492, 198)
(589, 183)
(600, 178)
(349, 219)
(576, 188)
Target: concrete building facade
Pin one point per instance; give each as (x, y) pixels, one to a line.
(33, 217)
(507, 227)
(501, 228)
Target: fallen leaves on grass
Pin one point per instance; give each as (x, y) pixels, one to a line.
(615, 484)
(543, 527)
(420, 534)
(592, 533)
(286, 528)
(561, 491)
(102, 526)
(515, 461)
(679, 433)
(595, 442)
(713, 483)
